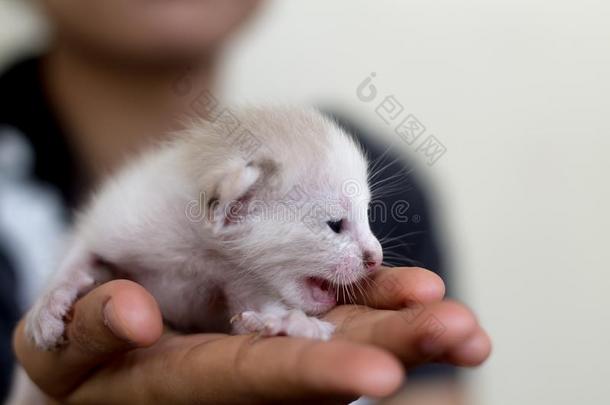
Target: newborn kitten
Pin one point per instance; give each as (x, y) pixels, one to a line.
(265, 207)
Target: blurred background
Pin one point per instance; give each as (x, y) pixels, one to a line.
(518, 94)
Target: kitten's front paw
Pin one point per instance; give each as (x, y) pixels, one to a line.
(291, 323)
(44, 324)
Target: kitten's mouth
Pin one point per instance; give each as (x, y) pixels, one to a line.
(321, 290)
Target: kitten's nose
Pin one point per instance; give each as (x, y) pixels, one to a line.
(371, 262)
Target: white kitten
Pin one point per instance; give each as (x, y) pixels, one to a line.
(264, 207)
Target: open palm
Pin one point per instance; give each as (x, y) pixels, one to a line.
(117, 350)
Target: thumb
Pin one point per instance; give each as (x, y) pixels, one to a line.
(114, 318)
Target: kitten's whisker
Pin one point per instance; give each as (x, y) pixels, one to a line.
(394, 161)
(397, 177)
(374, 165)
(363, 292)
(404, 235)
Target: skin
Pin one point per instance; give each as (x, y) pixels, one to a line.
(110, 74)
(118, 350)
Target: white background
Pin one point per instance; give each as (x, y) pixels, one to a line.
(518, 92)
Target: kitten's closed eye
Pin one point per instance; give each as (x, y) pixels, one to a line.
(335, 225)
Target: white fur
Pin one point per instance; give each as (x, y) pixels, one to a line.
(141, 222)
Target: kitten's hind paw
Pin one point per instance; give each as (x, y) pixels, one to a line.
(290, 323)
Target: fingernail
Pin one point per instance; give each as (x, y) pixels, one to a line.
(113, 322)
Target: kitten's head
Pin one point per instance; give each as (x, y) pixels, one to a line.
(293, 212)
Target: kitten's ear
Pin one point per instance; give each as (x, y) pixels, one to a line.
(234, 192)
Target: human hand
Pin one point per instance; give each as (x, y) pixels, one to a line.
(117, 351)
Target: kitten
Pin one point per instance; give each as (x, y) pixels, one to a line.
(265, 207)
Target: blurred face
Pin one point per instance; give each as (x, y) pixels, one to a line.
(147, 29)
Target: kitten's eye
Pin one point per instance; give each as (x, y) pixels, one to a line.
(335, 225)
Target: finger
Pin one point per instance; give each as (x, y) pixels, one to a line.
(319, 369)
(439, 331)
(245, 369)
(400, 287)
(471, 353)
(115, 317)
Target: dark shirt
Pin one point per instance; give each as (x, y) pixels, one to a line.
(24, 107)
(8, 318)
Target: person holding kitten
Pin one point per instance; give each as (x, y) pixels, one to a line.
(109, 85)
